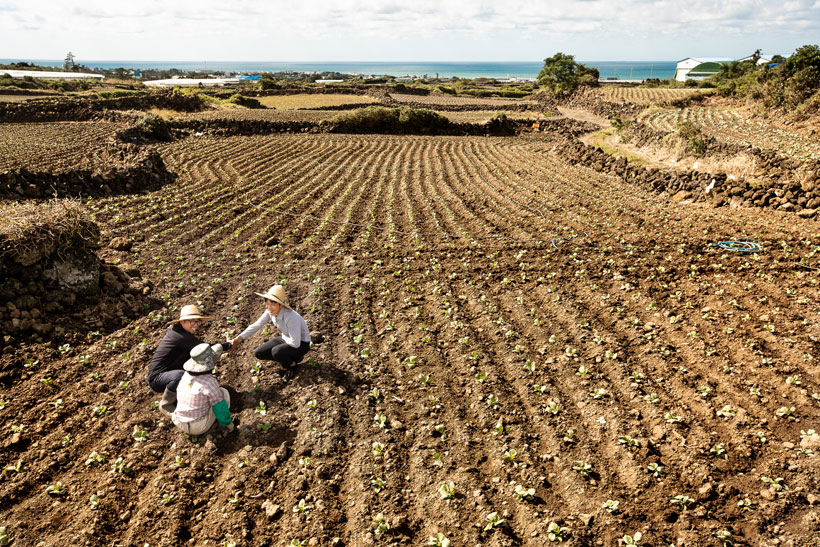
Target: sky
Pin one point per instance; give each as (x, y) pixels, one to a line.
(402, 31)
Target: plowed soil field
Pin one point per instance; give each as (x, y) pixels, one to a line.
(516, 352)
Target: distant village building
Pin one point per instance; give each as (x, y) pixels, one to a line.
(192, 82)
(703, 67)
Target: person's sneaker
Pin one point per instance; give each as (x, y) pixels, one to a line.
(288, 374)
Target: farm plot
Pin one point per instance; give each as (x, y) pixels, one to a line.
(54, 146)
(730, 126)
(314, 100)
(448, 100)
(516, 350)
(642, 95)
(243, 114)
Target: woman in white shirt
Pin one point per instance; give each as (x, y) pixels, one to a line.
(294, 342)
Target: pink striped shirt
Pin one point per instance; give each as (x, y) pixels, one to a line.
(195, 397)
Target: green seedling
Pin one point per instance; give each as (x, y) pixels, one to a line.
(4, 536)
(101, 410)
(380, 421)
(682, 500)
(67, 440)
(46, 381)
(234, 500)
(16, 468)
(629, 442)
(538, 388)
(256, 368)
(378, 484)
(555, 533)
(784, 411)
(447, 490)
(651, 398)
(165, 499)
(633, 539)
(494, 521)
(382, 525)
(378, 448)
(492, 401)
(524, 494)
(481, 376)
(501, 429)
(375, 394)
(747, 504)
(304, 461)
(439, 430)
(3, 404)
(56, 489)
(179, 462)
(529, 365)
(57, 404)
(312, 404)
(425, 379)
(654, 469)
(552, 408)
(438, 540)
(582, 468)
(33, 364)
(264, 427)
(140, 435)
(719, 452)
(775, 484)
(17, 428)
(725, 538)
(726, 412)
(95, 459)
(302, 507)
(119, 466)
(244, 462)
(412, 361)
(672, 418)
(437, 459)
(611, 506)
(94, 502)
(261, 408)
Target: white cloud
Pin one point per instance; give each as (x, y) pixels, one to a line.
(447, 29)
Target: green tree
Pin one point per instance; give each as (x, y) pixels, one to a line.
(69, 62)
(562, 75)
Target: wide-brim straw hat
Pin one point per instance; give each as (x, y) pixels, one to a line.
(277, 294)
(190, 312)
(203, 358)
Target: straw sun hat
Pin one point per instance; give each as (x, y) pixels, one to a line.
(190, 312)
(276, 294)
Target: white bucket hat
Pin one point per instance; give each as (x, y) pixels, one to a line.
(203, 358)
(277, 294)
(190, 312)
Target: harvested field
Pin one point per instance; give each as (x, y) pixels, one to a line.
(503, 333)
(21, 98)
(54, 146)
(642, 95)
(730, 126)
(448, 100)
(480, 116)
(243, 114)
(314, 100)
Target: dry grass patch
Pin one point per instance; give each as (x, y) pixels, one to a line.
(31, 231)
(309, 100)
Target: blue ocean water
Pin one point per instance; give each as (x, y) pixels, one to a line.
(621, 70)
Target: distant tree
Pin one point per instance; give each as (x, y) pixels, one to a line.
(562, 75)
(69, 62)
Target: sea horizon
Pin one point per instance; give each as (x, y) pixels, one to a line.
(620, 70)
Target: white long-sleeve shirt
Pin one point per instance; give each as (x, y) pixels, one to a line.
(293, 328)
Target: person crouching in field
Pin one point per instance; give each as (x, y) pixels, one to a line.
(165, 368)
(291, 346)
(200, 400)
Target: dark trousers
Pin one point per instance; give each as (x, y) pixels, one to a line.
(169, 379)
(276, 349)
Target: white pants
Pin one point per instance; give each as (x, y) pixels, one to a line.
(203, 424)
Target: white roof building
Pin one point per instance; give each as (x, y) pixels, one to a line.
(703, 67)
(193, 82)
(51, 75)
